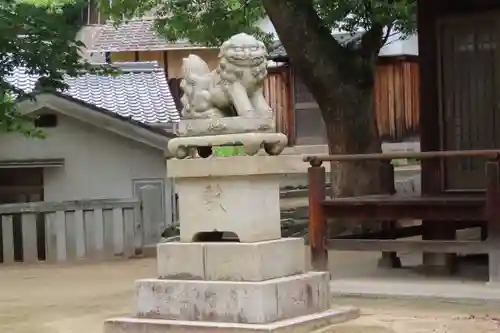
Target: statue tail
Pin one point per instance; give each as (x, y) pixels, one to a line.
(194, 68)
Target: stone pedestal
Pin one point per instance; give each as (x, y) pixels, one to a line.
(252, 133)
(259, 284)
(237, 194)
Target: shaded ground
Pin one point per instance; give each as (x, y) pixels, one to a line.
(76, 299)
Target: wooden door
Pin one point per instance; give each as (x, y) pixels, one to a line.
(470, 117)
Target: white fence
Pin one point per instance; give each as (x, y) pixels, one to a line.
(71, 230)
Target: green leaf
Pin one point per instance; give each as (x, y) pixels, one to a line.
(39, 36)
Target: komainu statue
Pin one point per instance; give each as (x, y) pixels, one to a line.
(234, 88)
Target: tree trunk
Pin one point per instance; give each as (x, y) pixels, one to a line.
(341, 81)
(355, 132)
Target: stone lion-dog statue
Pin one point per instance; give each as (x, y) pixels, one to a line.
(234, 88)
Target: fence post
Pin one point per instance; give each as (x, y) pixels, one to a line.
(493, 218)
(317, 219)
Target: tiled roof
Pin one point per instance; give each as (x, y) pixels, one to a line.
(134, 35)
(140, 92)
(278, 51)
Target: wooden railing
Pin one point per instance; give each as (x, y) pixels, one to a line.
(70, 230)
(436, 210)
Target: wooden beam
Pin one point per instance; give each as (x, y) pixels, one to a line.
(466, 247)
(42, 206)
(403, 232)
(491, 154)
(418, 210)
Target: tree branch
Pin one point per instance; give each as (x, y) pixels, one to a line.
(309, 43)
(387, 34)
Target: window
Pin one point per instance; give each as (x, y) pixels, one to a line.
(309, 125)
(46, 120)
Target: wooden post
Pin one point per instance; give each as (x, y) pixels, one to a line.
(317, 220)
(389, 259)
(493, 219)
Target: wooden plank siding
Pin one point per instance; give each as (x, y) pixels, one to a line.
(122, 56)
(277, 94)
(396, 99)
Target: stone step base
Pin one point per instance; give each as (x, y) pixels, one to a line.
(228, 261)
(233, 301)
(302, 324)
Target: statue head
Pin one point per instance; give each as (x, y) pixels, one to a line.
(243, 50)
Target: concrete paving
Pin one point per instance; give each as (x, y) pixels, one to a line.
(357, 274)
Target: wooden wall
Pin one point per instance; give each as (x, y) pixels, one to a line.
(396, 98)
(277, 94)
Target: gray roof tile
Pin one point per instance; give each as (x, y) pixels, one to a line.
(134, 35)
(140, 92)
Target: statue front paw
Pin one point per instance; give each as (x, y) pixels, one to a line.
(274, 148)
(250, 114)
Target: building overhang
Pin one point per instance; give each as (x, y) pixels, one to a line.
(32, 163)
(104, 119)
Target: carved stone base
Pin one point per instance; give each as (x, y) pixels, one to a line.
(273, 143)
(227, 125)
(233, 302)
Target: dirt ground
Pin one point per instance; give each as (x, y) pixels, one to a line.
(77, 299)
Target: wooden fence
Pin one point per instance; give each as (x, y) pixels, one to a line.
(70, 230)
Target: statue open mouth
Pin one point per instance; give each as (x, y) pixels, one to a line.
(247, 61)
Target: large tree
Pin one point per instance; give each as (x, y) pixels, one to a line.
(38, 36)
(340, 77)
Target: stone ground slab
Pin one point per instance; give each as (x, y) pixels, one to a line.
(230, 301)
(231, 261)
(302, 324)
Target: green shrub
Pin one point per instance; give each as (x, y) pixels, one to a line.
(227, 151)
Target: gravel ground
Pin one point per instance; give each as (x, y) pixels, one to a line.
(77, 299)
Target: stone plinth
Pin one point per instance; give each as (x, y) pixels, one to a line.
(301, 324)
(257, 261)
(236, 194)
(234, 302)
(273, 143)
(258, 283)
